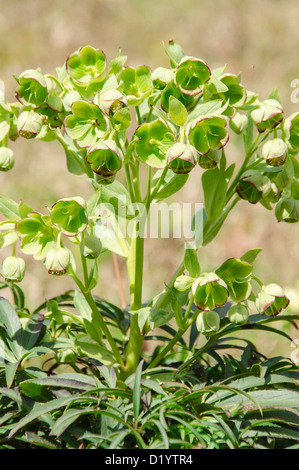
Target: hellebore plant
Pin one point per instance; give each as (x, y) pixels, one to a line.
(112, 119)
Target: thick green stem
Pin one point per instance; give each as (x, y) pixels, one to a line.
(135, 271)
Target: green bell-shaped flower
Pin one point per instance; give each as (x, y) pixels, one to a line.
(70, 216)
(238, 314)
(209, 160)
(32, 89)
(274, 152)
(271, 300)
(36, 234)
(267, 115)
(161, 77)
(86, 65)
(287, 210)
(58, 260)
(86, 124)
(91, 246)
(191, 74)
(237, 275)
(29, 124)
(208, 132)
(209, 291)
(13, 268)
(181, 158)
(137, 84)
(154, 140)
(208, 323)
(7, 159)
(105, 158)
(250, 186)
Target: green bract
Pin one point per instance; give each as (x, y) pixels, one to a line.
(208, 323)
(13, 268)
(208, 132)
(86, 124)
(137, 84)
(70, 216)
(86, 65)
(32, 89)
(191, 74)
(57, 261)
(36, 234)
(181, 158)
(271, 300)
(209, 291)
(7, 159)
(105, 158)
(154, 140)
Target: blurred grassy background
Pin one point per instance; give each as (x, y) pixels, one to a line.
(260, 39)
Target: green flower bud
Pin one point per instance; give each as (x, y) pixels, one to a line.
(209, 291)
(271, 300)
(181, 158)
(29, 124)
(238, 314)
(7, 159)
(13, 268)
(105, 158)
(57, 261)
(275, 152)
(91, 246)
(239, 123)
(208, 323)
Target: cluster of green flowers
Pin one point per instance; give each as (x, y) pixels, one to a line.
(184, 115)
(231, 282)
(41, 236)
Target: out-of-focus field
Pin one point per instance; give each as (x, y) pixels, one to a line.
(260, 39)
